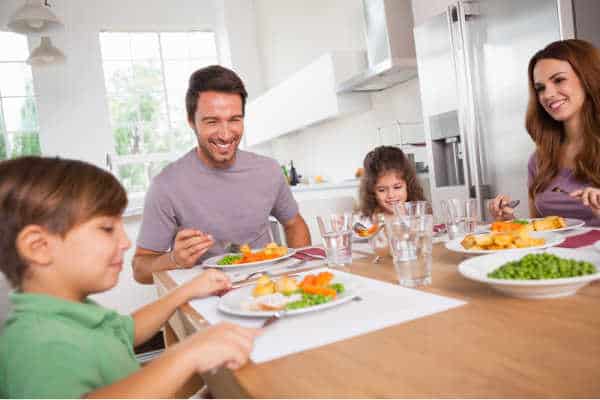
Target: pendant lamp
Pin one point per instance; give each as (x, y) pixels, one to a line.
(45, 53)
(34, 17)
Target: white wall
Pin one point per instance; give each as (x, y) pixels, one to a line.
(291, 35)
(73, 113)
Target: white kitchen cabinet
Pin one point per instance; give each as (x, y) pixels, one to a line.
(306, 98)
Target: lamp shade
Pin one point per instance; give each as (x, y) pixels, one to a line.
(45, 53)
(33, 17)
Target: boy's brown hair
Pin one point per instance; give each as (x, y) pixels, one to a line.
(57, 194)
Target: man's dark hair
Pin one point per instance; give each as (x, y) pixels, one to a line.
(213, 78)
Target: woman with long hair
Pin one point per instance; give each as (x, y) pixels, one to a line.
(563, 119)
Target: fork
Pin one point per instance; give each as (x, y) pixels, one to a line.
(272, 319)
(229, 247)
(277, 315)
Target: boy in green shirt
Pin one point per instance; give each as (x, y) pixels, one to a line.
(62, 239)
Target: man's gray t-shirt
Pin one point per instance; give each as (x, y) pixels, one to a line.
(232, 204)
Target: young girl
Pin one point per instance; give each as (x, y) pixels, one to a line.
(563, 119)
(61, 240)
(388, 178)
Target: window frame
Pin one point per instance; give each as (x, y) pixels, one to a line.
(114, 160)
(4, 131)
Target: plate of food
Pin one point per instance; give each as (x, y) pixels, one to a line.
(506, 241)
(248, 257)
(314, 291)
(534, 274)
(547, 224)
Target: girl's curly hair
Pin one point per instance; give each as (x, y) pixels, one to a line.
(382, 160)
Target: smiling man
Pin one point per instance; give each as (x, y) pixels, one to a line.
(216, 193)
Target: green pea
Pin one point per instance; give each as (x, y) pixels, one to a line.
(542, 266)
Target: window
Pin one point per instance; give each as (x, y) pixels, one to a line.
(19, 128)
(146, 77)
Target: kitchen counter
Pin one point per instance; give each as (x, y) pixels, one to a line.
(302, 187)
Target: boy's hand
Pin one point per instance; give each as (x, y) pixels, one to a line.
(189, 245)
(223, 344)
(208, 282)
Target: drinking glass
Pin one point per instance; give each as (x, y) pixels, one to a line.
(410, 239)
(416, 208)
(471, 215)
(460, 216)
(336, 231)
(453, 215)
(379, 241)
(412, 208)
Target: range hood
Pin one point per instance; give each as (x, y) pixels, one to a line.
(390, 47)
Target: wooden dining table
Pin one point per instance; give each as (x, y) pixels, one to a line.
(494, 346)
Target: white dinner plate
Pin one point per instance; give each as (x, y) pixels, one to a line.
(212, 261)
(232, 302)
(552, 239)
(477, 268)
(597, 245)
(572, 223)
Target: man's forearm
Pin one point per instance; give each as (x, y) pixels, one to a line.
(296, 234)
(144, 265)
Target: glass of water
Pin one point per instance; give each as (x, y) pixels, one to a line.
(460, 216)
(379, 242)
(471, 216)
(410, 240)
(336, 231)
(416, 208)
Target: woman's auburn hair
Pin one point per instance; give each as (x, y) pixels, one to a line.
(380, 161)
(548, 134)
(56, 194)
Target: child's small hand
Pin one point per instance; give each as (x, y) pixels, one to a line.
(222, 344)
(208, 282)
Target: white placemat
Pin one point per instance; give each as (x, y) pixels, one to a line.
(382, 305)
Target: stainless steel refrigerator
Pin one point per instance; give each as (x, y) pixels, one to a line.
(472, 63)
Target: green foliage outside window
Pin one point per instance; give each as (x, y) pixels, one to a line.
(2, 147)
(25, 144)
(144, 81)
(133, 177)
(25, 141)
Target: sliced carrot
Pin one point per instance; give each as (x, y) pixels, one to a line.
(309, 279)
(324, 278)
(314, 289)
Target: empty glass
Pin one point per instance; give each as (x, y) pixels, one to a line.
(410, 239)
(336, 231)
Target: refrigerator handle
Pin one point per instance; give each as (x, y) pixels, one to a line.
(457, 48)
(473, 148)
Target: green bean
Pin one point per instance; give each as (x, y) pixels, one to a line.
(542, 266)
